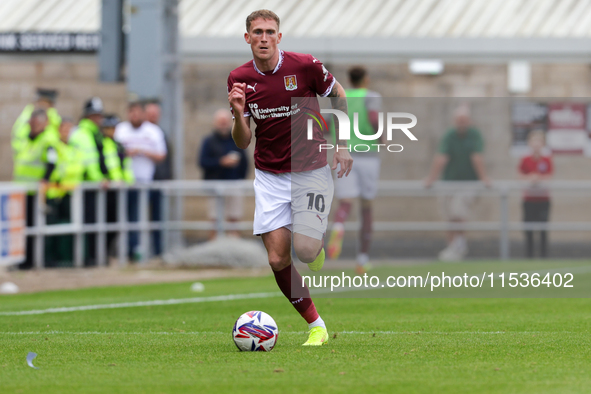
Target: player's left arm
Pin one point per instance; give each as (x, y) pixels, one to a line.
(338, 99)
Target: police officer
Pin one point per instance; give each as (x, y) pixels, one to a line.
(88, 139)
(34, 162)
(46, 101)
(67, 174)
(118, 168)
(117, 162)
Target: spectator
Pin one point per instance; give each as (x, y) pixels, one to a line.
(66, 175)
(221, 159)
(144, 143)
(87, 138)
(116, 160)
(535, 169)
(163, 172)
(460, 157)
(34, 162)
(118, 170)
(46, 101)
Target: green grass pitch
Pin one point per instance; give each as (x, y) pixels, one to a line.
(406, 345)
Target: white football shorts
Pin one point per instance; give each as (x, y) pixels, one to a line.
(299, 201)
(363, 179)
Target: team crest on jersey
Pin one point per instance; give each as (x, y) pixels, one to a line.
(291, 83)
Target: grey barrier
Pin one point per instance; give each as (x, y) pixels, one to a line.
(176, 190)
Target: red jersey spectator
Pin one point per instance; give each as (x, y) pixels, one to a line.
(536, 168)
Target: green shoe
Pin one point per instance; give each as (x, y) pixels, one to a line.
(318, 337)
(317, 264)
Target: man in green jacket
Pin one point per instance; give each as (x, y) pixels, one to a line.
(459, 158)
(20, 130)
(88, 139)
(67, 174)
(34, 162)
(118, 165)
(117, 162)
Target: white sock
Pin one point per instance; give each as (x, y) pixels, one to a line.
(362, 259)
(317, 323)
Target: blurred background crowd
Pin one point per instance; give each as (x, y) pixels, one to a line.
(60, 153)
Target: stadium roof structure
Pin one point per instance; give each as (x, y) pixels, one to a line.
(553, 30)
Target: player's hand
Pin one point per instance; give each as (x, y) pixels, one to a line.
(237, 98)
(343, 158)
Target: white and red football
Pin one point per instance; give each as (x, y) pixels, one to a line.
(255, 331)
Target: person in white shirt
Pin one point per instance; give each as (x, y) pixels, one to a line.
(144, 143)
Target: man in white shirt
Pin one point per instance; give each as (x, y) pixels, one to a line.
(144, 143)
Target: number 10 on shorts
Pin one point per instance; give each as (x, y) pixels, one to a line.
(316, 201)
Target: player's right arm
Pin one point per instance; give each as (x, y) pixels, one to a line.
(241, 132)
(437, 166)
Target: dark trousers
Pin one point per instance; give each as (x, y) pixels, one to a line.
(133, 216)
(156, 216)
(90, 197)
(59, 249)
(536, 212)
(112, 208)
(31, 202)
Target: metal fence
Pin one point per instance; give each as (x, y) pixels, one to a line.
(173, 193)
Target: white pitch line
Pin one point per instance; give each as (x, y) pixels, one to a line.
(173, 301)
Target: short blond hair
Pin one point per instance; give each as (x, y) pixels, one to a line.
(265, 14)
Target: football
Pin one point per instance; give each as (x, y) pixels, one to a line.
(255, 331)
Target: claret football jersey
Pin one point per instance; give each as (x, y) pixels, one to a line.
(269, 103)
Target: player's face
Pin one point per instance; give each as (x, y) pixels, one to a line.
(263, 38)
